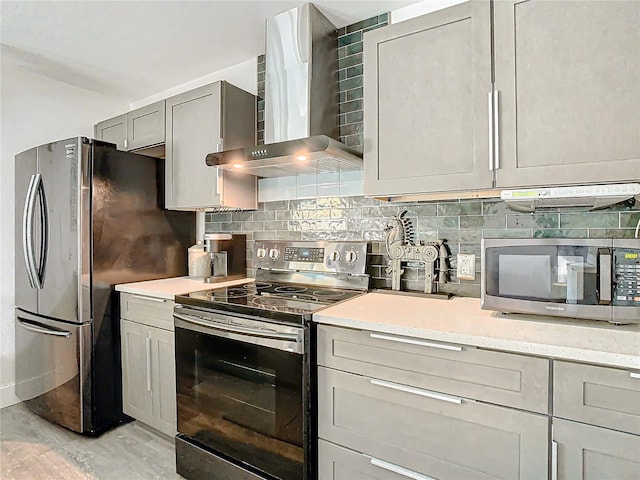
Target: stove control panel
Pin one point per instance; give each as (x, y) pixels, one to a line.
(327, 257)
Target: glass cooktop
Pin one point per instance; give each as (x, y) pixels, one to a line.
(268, 298)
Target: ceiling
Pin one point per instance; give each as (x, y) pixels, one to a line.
(134, 49)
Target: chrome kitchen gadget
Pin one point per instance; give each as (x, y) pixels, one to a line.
(243, 362)
(228, 256)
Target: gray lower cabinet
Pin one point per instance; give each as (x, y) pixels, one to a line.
(136, 129)
(585, 452)
(596, 422)
(398, 407)
(426, 120)
(148, 363)
(202, 121)
(537, 93)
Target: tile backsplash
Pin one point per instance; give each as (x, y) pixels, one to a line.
(462, 223)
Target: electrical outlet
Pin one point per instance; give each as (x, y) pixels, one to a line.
(466, 266)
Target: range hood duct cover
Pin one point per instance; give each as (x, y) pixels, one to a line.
(301, 102)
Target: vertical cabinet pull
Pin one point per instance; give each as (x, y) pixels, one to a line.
(496, 129)
(442, 346)
(554, 460)
(148, 364)
(490, 110)
(405, 472)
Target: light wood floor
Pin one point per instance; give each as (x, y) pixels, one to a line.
(34, 449)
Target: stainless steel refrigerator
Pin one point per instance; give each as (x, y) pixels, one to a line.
(87, 217)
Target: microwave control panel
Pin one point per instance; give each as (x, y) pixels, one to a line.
(627, 276)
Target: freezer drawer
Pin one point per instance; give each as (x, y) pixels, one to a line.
(53, 365)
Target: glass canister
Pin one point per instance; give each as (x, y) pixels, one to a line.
(199, 261)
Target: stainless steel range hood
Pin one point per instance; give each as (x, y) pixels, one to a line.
(301, 102)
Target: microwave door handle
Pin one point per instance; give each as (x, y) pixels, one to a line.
(604, 275)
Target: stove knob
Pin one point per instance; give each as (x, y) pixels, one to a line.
(261, 252)
(335, 256)
(351, 256)
(274, 253)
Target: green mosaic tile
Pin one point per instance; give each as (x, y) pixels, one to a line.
(351, 106)
(511, 233)
(560, 233)
(354, 117)
(348, 84)
(482, 221)
(460, 208)
(589, 220)
(349, 39)
(350, 61)
(629, 219)
(611, 232)
(353, 49)
(363, 24)
(354, 71)
(355, 94)
(545, 220)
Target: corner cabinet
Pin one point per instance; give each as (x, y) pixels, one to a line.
(148, 361)
(140, 128)
(208, 119)
(558, 104)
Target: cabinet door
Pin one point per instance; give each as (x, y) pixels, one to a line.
(426, 111)
(136, 359)
(428, 432)
(113, 130)
(145, 126)
(193, 130)
(593, 453)
(568, 76)
(163, 374)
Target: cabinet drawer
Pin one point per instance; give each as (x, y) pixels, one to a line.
(432, 434)
(152, 311)
(507, 379)
(608, 397)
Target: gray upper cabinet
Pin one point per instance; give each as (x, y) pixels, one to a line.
(568, 77)
(113, 130)
(136, 129)
(558, 104)
(201, 121)
(426, 82)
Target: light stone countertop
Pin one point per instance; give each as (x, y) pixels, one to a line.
(168, 288)
(460, 320)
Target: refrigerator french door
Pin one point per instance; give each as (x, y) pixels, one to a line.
(87, 217)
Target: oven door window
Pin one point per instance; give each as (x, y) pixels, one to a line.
(242, 401)
(557, 274)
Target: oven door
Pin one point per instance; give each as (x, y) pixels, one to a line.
(240, 390)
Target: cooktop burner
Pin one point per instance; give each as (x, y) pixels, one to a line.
(288, 302)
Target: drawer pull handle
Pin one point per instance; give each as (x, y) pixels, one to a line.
(454, 348)
(417, 391)
(405, 472)
(634, 375)
(151, 299)
(554, 460)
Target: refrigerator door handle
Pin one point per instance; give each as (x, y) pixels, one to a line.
(27, 231)
(44, 237)
(40, 329)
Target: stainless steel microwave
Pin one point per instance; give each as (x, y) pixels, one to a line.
(578, 278)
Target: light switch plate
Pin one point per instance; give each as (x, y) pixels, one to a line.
(466, 266)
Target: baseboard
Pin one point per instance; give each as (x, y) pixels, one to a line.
(8, 395)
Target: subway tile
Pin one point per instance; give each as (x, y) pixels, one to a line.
(354, 140)
(350, 61)
(383, 211)
(495, 207)
(261, 76)
(350, 83)
(341, 31)
(279, 205)
(511, 233)
(460, 208)
(611, 232)
(242, 216)
(342, 52)
(383, 17)
(348, 107)
(349, 39)
(483, 221)
(354, 117)
(560, 233)
(629, 219)
(342, 75)
(354, 71)
(264, 216)
(342, 97)
(232, 227)
(368, 29)
(462, 236)
(589, 220)
(212, 227)
(353, 48)
(369, 22)
(533, 220)
(423, 210)
(430, 223)
(352, 129)
(342, 119)
(354, 94)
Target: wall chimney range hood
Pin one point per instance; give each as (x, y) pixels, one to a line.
(301, 102)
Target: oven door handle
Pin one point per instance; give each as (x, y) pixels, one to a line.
(289, 337)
